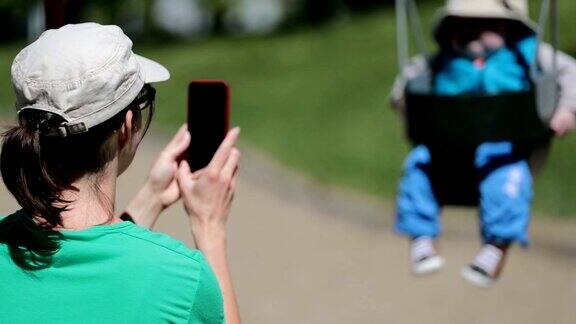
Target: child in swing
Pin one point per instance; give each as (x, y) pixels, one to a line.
(486, 47)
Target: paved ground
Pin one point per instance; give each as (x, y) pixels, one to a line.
(302, 253)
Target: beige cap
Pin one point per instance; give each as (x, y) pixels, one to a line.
(514, 10)
(85, 73)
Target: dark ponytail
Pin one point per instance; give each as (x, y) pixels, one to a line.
(36, 169)
(26, 176)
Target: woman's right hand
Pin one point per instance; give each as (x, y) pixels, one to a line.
(207, 194)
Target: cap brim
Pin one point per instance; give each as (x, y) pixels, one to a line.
(152, 71)
(442, 15)
(468, 12)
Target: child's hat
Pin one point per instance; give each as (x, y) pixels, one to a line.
(513, 10)
(84, 73)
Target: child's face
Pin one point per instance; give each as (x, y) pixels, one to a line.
(478, 36)
(467, 30)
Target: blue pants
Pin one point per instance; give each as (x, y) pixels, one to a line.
(505, 195)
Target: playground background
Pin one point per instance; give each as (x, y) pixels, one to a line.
(310, 232)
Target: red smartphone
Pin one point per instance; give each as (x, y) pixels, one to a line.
(208, 119)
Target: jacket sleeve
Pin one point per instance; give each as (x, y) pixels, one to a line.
(415, 67)
(566, 74)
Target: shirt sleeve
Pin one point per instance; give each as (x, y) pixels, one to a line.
(208, 304)
(566, 74)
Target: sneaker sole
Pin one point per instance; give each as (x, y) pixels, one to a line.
(428, 266)
(475, 278)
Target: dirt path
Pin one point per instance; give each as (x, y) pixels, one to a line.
(306, 254)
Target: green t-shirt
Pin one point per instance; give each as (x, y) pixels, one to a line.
(119, 273)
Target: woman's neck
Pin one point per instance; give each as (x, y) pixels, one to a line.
(93, 203)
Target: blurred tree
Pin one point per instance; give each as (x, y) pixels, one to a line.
(13, 14)
(187, 19)
(256, 17)
(54, 13)
(319, 11)
(363, 5)
(218, 8)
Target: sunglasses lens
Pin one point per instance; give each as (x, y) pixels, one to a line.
(148, 118)
(145, 103)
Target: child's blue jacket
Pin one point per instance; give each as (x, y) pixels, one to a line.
(500, 72)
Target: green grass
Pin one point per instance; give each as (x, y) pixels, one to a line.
(316, 100)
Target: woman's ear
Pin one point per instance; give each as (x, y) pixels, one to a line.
(125, 134)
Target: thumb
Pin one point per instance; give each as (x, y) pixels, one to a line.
(186, 184)
(184, 178)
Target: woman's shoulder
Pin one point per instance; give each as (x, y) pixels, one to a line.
(176, 265)
(159, 244)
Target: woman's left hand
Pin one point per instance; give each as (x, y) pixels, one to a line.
(563, 121)
(161, 188)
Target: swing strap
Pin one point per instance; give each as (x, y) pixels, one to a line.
(548, 15)
(408, 18)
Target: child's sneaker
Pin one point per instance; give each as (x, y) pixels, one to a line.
(484, 271)
(425, 260)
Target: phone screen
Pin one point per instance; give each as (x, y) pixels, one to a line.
(208, 120)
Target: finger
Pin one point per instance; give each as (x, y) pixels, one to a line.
(232, 186)
(181, 131)
(230, 199)
(231, 190)
(221, 155)
(196, 175)
(231, 165)
(185, 182)
(179, 142)
(172, 193)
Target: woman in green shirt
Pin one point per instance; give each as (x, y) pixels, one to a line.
(84, 102)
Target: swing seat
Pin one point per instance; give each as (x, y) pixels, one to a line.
(452, 127)
(469, 120)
